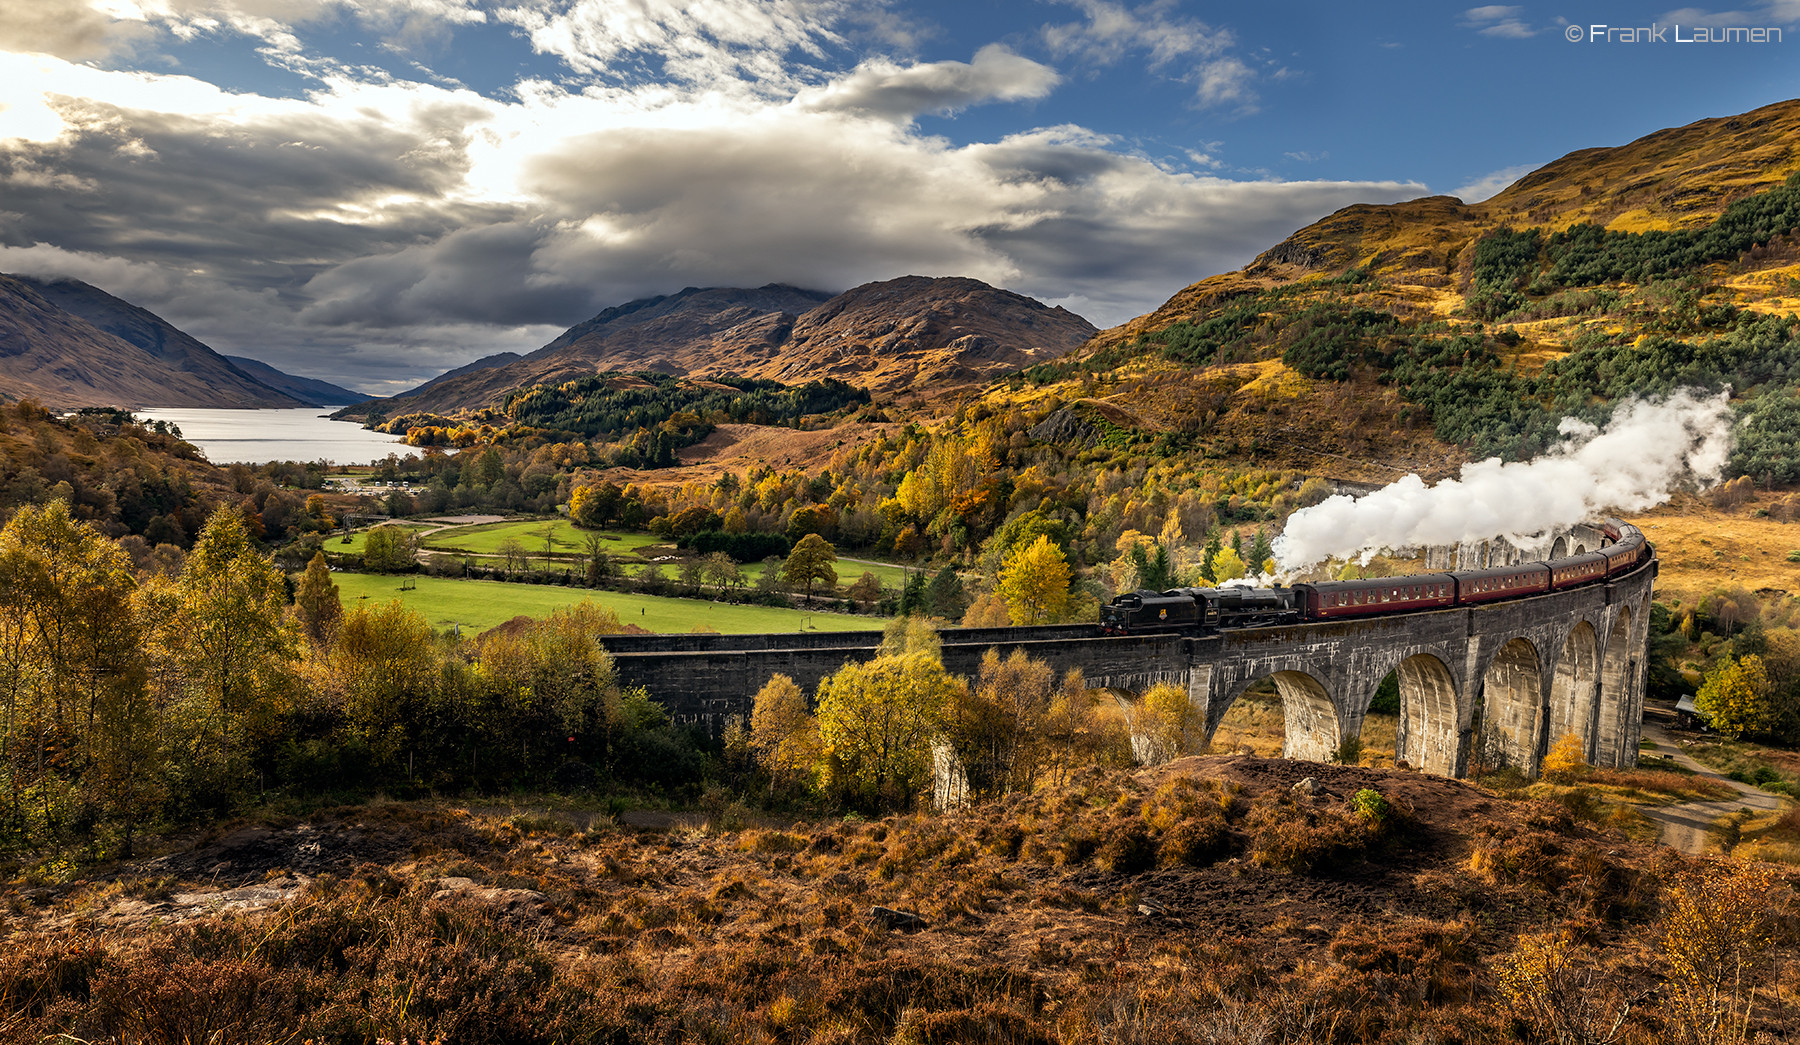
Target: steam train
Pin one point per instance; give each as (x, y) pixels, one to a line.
(1200, 609)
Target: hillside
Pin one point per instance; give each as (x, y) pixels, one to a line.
(69, 344)
(914, 333)
(1418, 334)
(310, 391)
(1183, 903)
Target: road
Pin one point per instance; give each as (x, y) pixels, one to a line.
(1687, 827)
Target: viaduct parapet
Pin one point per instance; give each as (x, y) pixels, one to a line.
(1486, 685)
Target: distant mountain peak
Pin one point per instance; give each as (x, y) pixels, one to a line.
(911, 333)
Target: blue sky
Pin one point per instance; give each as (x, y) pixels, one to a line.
(375, 190)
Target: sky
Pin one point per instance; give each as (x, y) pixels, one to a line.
(374, 191)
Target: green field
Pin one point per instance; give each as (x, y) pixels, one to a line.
(486, 538)
(478, 605)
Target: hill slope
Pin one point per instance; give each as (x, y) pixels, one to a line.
(914, 332)
(310, 391)
(1422, 332)
(68, 344)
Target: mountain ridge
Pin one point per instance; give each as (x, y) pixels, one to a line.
(906, 334)
(55, 354)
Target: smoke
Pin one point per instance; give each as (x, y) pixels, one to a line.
(1649, 449)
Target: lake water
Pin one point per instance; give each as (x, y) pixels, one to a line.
(261, 436)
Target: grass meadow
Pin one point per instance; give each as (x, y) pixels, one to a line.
(478, 605)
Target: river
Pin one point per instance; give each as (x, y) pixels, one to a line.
(261, 436)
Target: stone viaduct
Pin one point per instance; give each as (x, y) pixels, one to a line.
(1491, 685)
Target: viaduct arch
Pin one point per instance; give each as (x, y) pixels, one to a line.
(1480, 686)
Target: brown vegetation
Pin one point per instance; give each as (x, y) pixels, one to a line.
(1207, 900)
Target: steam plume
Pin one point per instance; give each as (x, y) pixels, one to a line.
(1650, 448)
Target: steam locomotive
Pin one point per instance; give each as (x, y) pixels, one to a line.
(1200, 609)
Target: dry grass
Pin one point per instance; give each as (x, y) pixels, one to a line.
(1702, 547)
(1203, 901)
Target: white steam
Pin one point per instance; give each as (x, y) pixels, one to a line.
(1649, 449)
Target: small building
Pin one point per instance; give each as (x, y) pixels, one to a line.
(1687, 716)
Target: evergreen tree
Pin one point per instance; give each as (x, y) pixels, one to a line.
(946, 594)
(915, 598)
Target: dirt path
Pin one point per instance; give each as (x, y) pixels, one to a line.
(1687, 827)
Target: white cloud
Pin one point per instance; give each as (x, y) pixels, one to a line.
(706, 42)
(1486, 186)
(1498, 20)
(381, 230)
(883, 88)
(1772, 13)
(1112, 31)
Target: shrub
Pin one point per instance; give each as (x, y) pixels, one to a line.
(1128, 849)
(1566, 761)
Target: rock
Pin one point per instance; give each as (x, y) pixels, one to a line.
(506, 899)
(1308, 786)
(1062, 428)
(903, 921)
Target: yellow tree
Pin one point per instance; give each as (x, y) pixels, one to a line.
(76, 722)
(783, 734)
(811, 562)
(1735, 697)
(1165, 725)
(877, 720)
(316, 600)
(996, 727)
(1035, 583)
(550, 688)
(223, 651)
(383, 672)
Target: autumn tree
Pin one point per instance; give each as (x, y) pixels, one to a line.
(547, 691)
(987, 611)
(77, 725)
(1035, 584)
(1735, 698)
(1165, 725)
(316, 600)
(877, 720)
(390, 549)
(996, 726)
(783, 734)
(1566, 760)
(1226, 565)
(385, 676)
(222, 652)
(810, 563)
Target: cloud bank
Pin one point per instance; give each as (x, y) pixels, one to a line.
(378, 229)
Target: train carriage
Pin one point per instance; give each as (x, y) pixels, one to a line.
(1505, 582)
(1578, 569)
(1328, 600)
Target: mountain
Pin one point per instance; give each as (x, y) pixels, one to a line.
(484, 363)
(1682, 178)
(1413, 336)
(309, 391)
(914, 333)
(68, 344)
